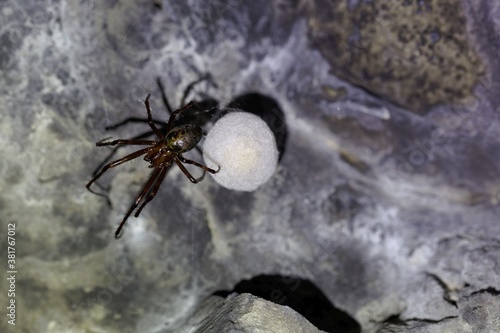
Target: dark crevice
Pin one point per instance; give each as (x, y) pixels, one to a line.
(490, 290)
(392, 324)
(268, 109)
(302, 296)
(395, 324)
(429, 321)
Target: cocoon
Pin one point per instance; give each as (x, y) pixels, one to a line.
(244, 147)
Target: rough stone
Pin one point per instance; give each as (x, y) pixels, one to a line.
(414, 53)
(246, 313)
(392, 214)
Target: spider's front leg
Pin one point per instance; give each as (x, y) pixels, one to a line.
(151, 187)
(112, 165)
(181, 159)
(153, 191)
(199, 165)
(187, 173)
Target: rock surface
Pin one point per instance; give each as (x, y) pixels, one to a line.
(392, 214)
(379, 45)
(246, 313)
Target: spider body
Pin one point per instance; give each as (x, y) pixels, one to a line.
(160, 154)
(179, 140)
(183, 138)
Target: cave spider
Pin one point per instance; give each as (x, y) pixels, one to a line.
(160, 153)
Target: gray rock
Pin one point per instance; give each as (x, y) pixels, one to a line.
(246, 313)
(379, 44)
(392, 214)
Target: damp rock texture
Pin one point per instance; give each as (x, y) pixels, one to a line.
(246, 313)
(413, 53)
(393, 215)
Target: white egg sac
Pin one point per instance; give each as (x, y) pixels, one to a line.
(244, 147)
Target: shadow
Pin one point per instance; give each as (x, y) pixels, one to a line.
(268, 109)
(302, 296)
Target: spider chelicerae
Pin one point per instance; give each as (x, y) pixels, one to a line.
(172, 141)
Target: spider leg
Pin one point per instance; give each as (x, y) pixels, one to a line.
(125, 142)
(153, 191)
(112, 165)
(206, 77)
(133, 120)
(186, 172)
(152, 180)
(164, 95)
(199, 165)
(150, 119)
(175, 113)
(113, 151)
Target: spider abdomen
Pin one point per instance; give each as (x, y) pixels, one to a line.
(183, 138)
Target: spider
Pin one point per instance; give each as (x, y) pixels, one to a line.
(160, 153)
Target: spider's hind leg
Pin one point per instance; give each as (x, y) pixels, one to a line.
(207, 77)
(132, 120)
(164, 96)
